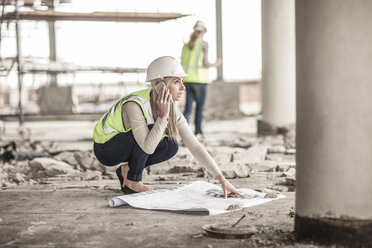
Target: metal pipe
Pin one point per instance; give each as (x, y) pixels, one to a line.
(1, 24)
(52, 44)
(20, 74)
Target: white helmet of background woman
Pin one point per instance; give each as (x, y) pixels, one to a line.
(165, 66)
(200, 26)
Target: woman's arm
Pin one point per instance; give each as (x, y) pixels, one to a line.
(206, 60)
(146, 139)
(197, 149)
(203, 157)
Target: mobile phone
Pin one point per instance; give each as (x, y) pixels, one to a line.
(158, 87)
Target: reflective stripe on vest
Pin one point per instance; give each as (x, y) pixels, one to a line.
(187, 67)
(111, 122)
(142, 101)
(193, 63)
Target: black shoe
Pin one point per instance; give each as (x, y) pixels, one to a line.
(121, 179)
(127, 191)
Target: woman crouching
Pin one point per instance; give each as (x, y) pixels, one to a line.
(145, 127)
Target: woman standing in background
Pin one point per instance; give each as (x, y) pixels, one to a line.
(195, 63)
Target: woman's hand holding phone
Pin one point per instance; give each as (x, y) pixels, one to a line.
(164, 100)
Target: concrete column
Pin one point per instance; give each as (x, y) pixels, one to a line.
(334, 122)
(219, 38)
(278, 65)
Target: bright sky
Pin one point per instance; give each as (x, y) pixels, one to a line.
(137, 44)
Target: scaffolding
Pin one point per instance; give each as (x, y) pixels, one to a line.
(55, 67)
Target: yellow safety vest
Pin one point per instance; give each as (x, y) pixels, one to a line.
(192, 63)
(111, 123)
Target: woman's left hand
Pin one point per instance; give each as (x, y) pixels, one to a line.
(228, 187)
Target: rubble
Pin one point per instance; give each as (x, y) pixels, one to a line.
(7, 145)
(173, 166)
(69, 158)
(42, 167)
(291, 180)
(271, 195)
(233, 207)
(291, 172)
(277, 149)
(272, 166)
(30, 161)
(88, 161)
(290, 151)
(235, 170)
(24, 161)
(221, 156)
(21, 155)
(252, 155)
(92, 175)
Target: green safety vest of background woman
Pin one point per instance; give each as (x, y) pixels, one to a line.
(195, 63)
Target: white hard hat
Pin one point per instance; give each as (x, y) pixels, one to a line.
(200, 26)
(165, 66)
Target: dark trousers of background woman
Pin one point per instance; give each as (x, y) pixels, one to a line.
(195, 92)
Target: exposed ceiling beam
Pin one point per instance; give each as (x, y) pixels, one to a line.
(49, 15)
(61, 67)
(73, 69)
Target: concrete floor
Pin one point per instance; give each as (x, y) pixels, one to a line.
(64, 212)
(76, 214)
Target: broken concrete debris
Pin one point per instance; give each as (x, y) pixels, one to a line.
(4, 145)
(233, 207)
(42, 167)
(88, 161)
(276, 149)
(252, 155)
(291, 172)
(28, 161)
(291, 181)
(235, 170)
(21, 155)
(271, 195)
(290, 151)
(69, 158)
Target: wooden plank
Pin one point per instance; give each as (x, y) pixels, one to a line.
(54, 117)
(94, 16)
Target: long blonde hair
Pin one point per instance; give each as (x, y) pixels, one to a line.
(193, 37)
(172, 127)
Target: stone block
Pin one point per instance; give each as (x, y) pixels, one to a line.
(235, 170)
(50, 167)
(174, 166)
(88, 161)
(276, 149)
(252, 155)
(69, 158)
(291, 172)
(92, 175)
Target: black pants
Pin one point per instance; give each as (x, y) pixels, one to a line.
(124, 148)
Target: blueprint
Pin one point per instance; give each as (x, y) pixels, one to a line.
(195, 197)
